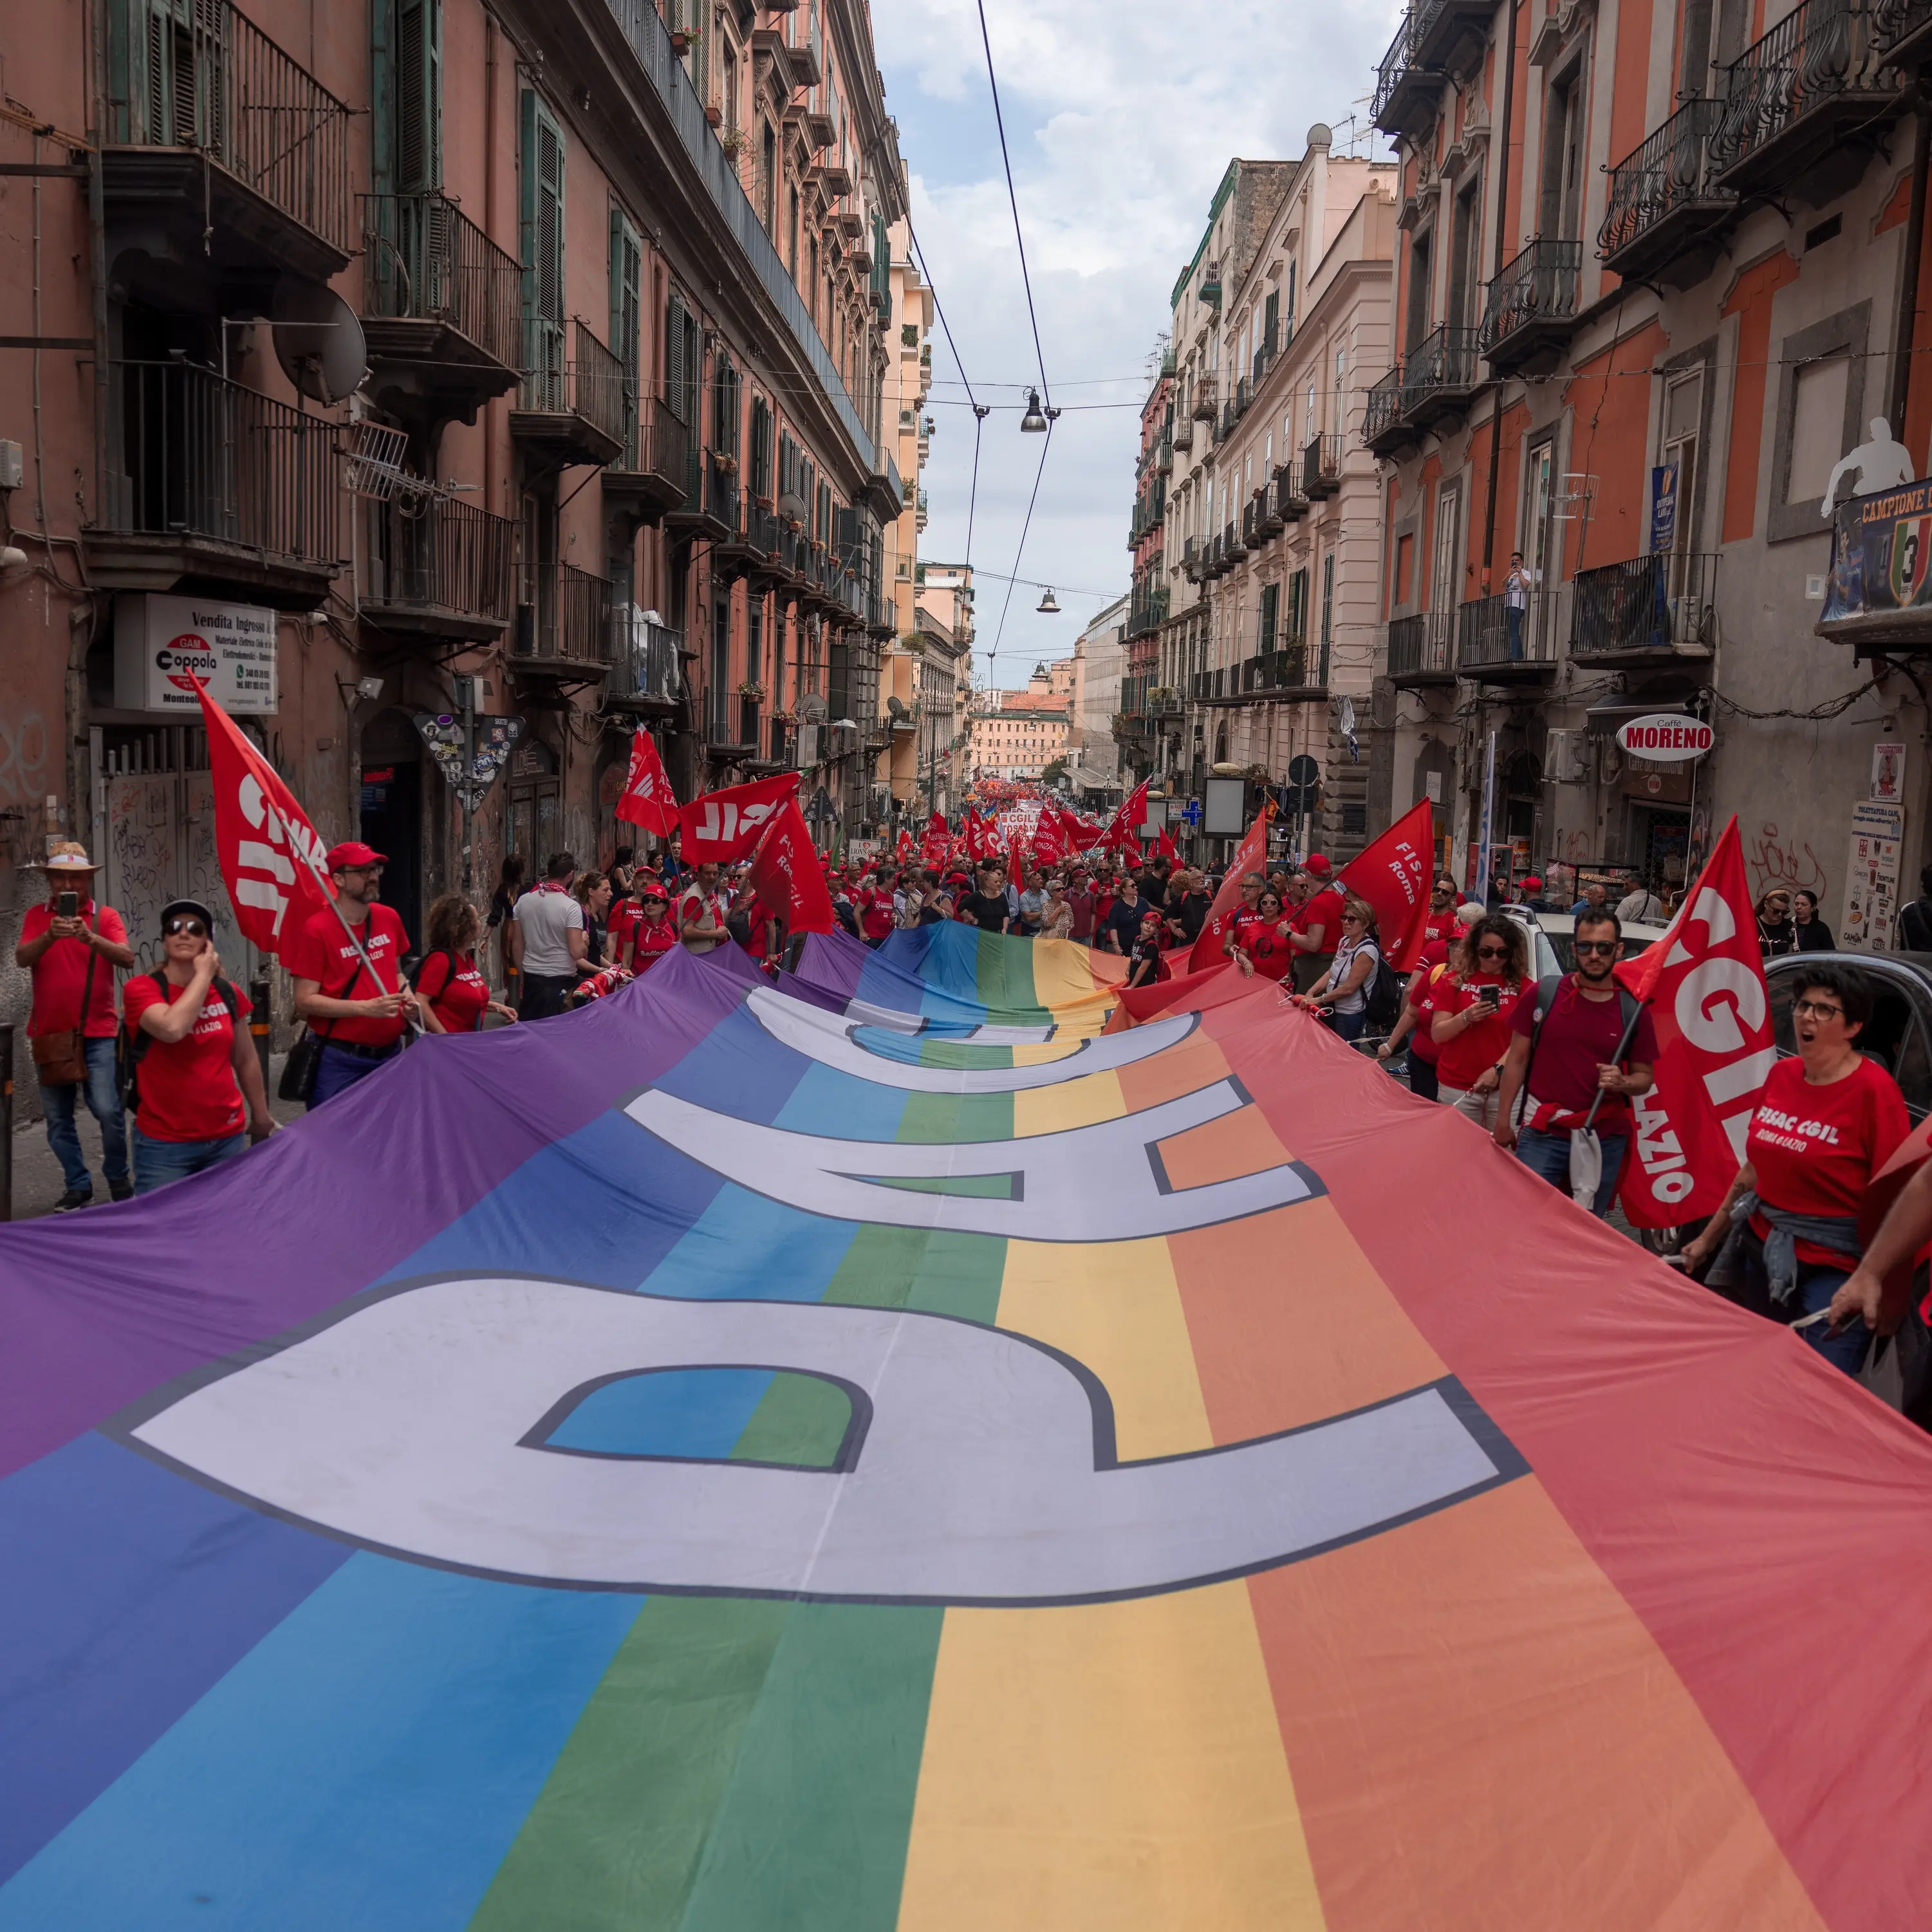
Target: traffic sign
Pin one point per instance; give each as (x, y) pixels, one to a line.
(1191, 811)
(1303, 773)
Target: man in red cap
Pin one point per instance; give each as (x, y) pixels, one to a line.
(358, 1016)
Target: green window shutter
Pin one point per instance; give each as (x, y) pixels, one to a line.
(627, 315)
(541, 199)
(1270, 606)
(418, 96)
(382, 95)
(677, 369)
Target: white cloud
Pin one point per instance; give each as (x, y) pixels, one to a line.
(1122, 118)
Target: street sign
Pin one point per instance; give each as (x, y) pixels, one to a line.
(1191, 811)
(1666, 737)
(1303, 773)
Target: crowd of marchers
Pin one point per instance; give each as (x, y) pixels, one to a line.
(167, 1065)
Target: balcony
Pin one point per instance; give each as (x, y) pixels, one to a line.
(1666, 211)
(439, 569)
(1498, 645)
(1209, 290)
(646, 665)
(1283, 676)
(1450, 33)
(237, 154)
(1792, 98)
(710, 506)
(885, 493)
(1383, 428)
(1164, 702)
(1405, 88)
(1646, 613)
(1422, 649)
(649, 476)
(571, 410)
(1438, 375)
(1286, 495)
(1531, 308)
(1902, 31)
(442, 309)
(1191, 558)
(214, 488)
(562, 626)
(1182, 435)
(1205, 408)
(741, 549)
(1321, 467)
(1269, 521)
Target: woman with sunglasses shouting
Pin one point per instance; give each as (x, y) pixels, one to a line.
(193, 1084)
(1472, 1022)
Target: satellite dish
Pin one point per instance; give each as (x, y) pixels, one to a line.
(791, 507)
(318, 340)
(811, 708)
(894, 707)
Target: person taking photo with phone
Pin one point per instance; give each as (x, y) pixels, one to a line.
(72, 948)
(192, 1078)
(1470, 1023)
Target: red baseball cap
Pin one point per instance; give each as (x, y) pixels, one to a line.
(352, 853)
(1532, 883)
(1317, 864)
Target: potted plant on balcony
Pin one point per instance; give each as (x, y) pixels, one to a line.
(749, 690)
(727, 463)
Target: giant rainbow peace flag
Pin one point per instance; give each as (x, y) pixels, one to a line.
(879, 1452)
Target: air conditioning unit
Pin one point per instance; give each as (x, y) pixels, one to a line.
(1567, 757)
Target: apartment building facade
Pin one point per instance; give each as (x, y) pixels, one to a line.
(1660, 270)
(1015, 735)
(447, 350)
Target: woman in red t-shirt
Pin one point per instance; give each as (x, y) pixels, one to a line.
(877, 915)
(655, 933)
(449, 978)
(1417, 1020)
(1470, 1023)
(1262, 938)
(1827, 1120)
(198, 1096)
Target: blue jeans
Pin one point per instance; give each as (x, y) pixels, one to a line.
(336, 1072)
(103, 1096)
(158, 1162)
(1514, 613)
(1348, 1026)
(1548, 1155)
(1816, 1285)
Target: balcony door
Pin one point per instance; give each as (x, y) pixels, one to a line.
(542, 221)
(1421, 273)
(1443, 585)
(1564, 113)
(1683, 416)
(1465, 274)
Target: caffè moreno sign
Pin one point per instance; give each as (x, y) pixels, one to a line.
(1666, 737)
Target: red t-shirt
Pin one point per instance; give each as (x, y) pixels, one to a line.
(1815, 1149)
(621, 922)
(1580, 1036)
(188, 1091)
(1267, 946)
(651, 940)
(1323, 910)
(320, 950)
(1424, 992)
(456, 991)
(1462, 1060)
(876, 916)
(60, 973)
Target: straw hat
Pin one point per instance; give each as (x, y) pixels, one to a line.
(68, 857)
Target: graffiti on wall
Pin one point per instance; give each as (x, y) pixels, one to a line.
(23, 758)
(1775, 860)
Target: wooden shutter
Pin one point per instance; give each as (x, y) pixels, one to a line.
(418, 96)
(542, 221)
(677, 372)
(1270, 608)
(627, 316)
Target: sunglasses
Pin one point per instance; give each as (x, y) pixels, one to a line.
(193, 928)
(1597, 946)
(1492, 953)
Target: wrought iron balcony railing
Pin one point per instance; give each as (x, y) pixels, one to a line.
(1384, 406)
(1495, 639)
(1536, 290)
(1422, 647)
(424, 260)
(588, 382)
(563, 617)
(647, 658)
(1662, 602)
(1667, 181)
(437, 553)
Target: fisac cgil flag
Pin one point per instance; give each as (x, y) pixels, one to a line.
(649, 801)
(269, 853)
(1704, 980)
(724, 826)
(1392, 875)
(786, 877)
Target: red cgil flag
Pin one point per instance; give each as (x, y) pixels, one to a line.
(648, 799)
(1164, 847)
(975, 846)
(902, 851)
(1122, 832)
(1250, 856)
(1392, 875)
(1704, 981)
(269, 853)
(785, 874)
(1049, 838)
(725, 825)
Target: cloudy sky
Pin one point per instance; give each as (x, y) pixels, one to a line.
(1121, 116)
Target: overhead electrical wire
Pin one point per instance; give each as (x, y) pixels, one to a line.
(980, 410)
(1025, 526)
(1013, 196)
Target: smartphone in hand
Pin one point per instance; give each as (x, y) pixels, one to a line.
(67, 906)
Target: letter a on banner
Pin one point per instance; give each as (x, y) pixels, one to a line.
(1704, 980)
(269, 853)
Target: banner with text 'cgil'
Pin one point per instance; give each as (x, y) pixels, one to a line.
(878, 1451)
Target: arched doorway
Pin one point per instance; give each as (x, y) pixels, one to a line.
(536, 813)
(391, 818)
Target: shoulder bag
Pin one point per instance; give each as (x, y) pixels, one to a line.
(60, 1059)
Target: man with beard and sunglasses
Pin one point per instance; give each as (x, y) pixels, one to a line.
(1565, 1052)
(197, 1097)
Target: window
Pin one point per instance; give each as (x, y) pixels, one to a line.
(1421, 270)
(1538, 518)
(1270, 606)
(627, 266)
(410, 70)
(1563, 118)
(540, 187)
(1443, 587)
(1327, 614)
(681, 361)
(1465, 273)
(1817, 426)
(1404, 567)
(1683, 415)
(768, 180)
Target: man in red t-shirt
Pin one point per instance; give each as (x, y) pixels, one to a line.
(1442, 923)
(356, 1002)
(1314, 924)
(195, 1066)
(72, 954)
(1577, 1059)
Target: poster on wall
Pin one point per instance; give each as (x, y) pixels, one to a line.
(1870, 919)
(1881, 553)
(163, 644)
(1662, 508)
(1888, 774)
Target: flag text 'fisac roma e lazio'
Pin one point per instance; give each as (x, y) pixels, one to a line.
(786, 877)
(1392, 874)
(648, 802)
(724, 826)
(1704, 980)
(268, 852)
(1250, 856)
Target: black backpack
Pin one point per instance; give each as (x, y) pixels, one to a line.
(1382, 995)
(131, 1043)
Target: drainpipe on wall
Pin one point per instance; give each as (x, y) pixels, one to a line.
(1908, 274)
